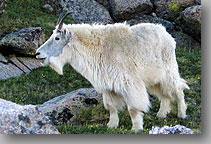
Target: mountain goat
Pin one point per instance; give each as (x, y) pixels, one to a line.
(123, 63)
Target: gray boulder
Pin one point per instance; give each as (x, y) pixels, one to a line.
(190, 21)
(86, 11)
(17, 119)
(64, 109)
(170, 9)
(24, 41)
(9, 70)
(13, 66)
(122, 10)
(178, 129)
(185, 41)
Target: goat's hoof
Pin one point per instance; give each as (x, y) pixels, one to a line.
(185, 117)
(136, 130)
(112, 125)
(161, 116)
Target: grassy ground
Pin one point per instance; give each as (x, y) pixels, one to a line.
(43, 84)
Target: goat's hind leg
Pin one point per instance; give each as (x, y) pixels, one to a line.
(165, 104)
(181, 105)
(165, 107)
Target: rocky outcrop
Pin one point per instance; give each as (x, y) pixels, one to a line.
(12, 66)
(190, 21)
(64, 109)
(17, 119)
(24, 41)
(178, 129)
(15, 47)
(122, 10)
(170, 10)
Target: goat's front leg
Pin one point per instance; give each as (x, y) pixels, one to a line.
(137, 119)
(108, 104)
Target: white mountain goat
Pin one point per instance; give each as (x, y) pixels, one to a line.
(122, 62)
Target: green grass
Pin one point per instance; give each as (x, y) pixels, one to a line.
(44, 84)
(27, 13)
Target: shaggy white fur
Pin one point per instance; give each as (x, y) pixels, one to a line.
(123, 63)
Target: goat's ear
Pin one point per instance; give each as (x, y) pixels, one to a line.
(65, 32)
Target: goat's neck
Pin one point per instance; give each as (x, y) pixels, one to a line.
(84, 62)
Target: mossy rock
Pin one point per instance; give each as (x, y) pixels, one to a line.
(190, 21)
(24, 41)
(170, 10)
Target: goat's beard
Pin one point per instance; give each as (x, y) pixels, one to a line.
(56, 64)
(45, 61)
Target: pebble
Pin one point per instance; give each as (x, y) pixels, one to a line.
(178, 129)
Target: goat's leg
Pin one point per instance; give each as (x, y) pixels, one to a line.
(109, 105)
(137, 119)
(181, 105)
(165, 107)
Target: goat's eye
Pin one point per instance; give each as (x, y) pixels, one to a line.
(56, 38)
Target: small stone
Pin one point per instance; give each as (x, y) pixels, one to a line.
(178, 129)
(48, 7)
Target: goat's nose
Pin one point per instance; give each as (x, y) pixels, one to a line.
(38, 53)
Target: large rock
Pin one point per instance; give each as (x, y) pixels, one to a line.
(122, 10)
(24, 41)
(64, 109)
(170, 9)
(13, 66)
(190, 21)
(185, 41)
(17, 119)
(150, 19)
(9, 70)
(86, 11)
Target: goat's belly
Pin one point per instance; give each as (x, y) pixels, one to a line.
(154, 75)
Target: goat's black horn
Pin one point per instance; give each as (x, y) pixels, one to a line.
(61, 21)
